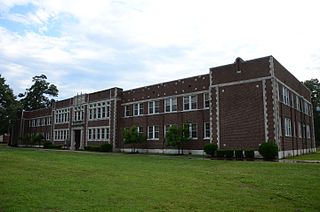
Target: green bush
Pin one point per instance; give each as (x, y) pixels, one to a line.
(221, 153)
(92, 148)
(229, 153)
(210, 149)
(269, 150)
(49, 145)
(106, 148)
(249, 153)
(238, 153)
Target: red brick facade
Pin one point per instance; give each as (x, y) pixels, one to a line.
(242, 105)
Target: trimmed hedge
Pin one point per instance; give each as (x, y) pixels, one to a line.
(229, 153)
(221, 153)
(210, 149)
(249, 153)
(238, 153)
(49, 145)
(106, 148)
(269, 150)
(101, 148)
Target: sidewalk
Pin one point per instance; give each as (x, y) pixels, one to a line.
(299, 161)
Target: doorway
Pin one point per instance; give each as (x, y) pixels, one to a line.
(77, 138)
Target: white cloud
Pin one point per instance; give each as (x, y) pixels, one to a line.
(134, 43)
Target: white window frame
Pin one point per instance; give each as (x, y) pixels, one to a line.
(308, 131)
(170, 104)
(153, 107)
(154, 132)
(206, 129)
(206, 99)
(193, 128)
(61, 116)
(137, 109)
(299, 130)
(61, 134)
(190, 102)
(285, 96)
(99, 110)
(100, 134)
(288, 127)
(298, 103)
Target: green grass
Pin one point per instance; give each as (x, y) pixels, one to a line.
(313, 156)
(38, 180)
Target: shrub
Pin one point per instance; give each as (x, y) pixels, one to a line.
(106, 148)
(269, 150)
(221, 153)
(238, 153)
(210, 149)
(92, 148)
(249, 153)
(229, 153)
(49, 145)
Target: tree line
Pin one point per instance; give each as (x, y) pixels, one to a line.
(35, 97)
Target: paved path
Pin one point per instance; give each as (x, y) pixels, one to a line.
(298, 161)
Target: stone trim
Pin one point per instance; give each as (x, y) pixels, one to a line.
(265, 110)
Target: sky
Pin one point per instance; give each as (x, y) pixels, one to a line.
(86, 46)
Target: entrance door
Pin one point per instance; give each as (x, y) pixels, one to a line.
(77, 138)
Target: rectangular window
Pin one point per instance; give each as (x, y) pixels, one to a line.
(138, 109)
(285, 96)
(306, 108)
(170, 104)
(206, 102)
(192, 130)
(288, 129)
(190, 102)
(153, 107)
(299, 130)
(297, 103)
(98, 134)
(308, 131)
(153, 132)
(126, 111)
(140, 130)
(207, 130)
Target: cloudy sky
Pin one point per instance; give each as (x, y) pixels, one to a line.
(85, 46)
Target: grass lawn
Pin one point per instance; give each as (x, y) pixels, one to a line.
(38, 180)
(313, 156)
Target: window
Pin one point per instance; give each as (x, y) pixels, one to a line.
(99, 110)
(140, 130)
(192, 130)
(207, 130)
(62, 116)
(153, 107)
(98, 134)
(126, 111)
(48, 137)
(306, 108)
(297, 103)
(285, 96)
(308, 131)
(138, 109)
(78, 113)
(61, 135)
(167, 127)
(206, 102)
(288, 129)
(170, 104)
(190, 102)
(299, 130)
(153, 132)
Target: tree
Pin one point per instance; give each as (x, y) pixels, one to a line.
(132, 136)
(36, 96)
(314, 87)
(8, 107)
(177, 136)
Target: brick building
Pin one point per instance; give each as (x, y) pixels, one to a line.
(239, 105)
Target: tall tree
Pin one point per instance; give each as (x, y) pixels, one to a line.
(37, 96)
(177, 136)
(314, 87)
(8, 106)
(132, 136)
